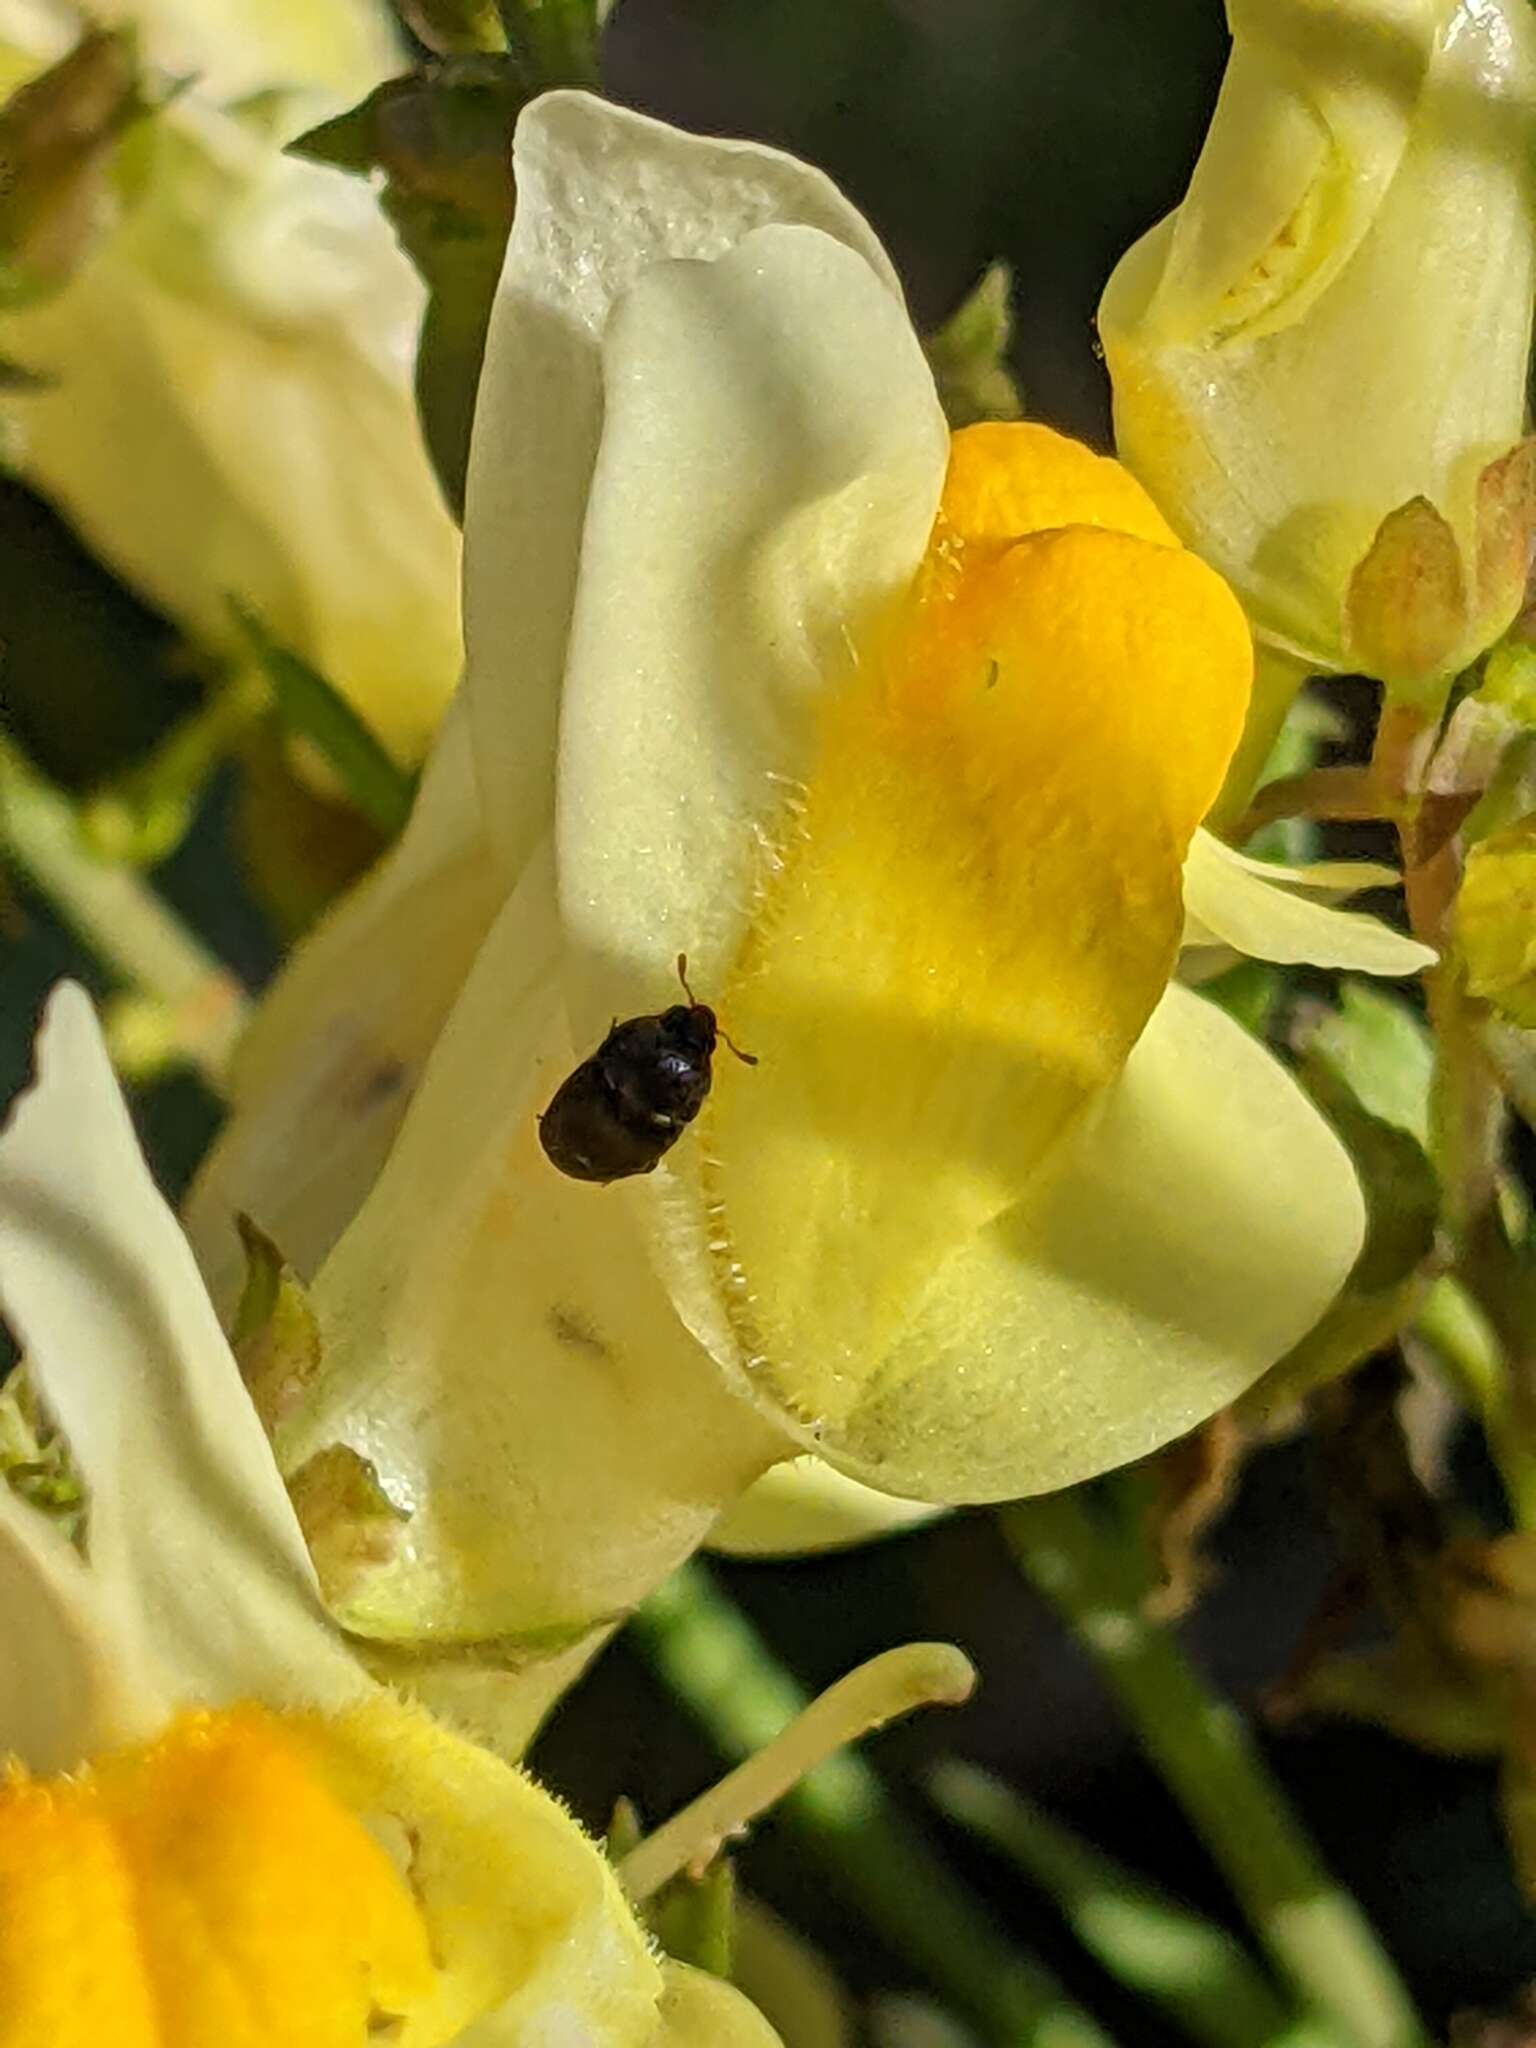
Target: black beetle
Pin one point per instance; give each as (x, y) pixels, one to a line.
(620, 1110)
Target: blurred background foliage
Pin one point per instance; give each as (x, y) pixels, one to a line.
(1046, 136)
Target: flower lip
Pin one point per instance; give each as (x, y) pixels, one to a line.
(974, 911)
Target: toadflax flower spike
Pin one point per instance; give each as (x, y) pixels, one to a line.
(904, 741)
(214, 1825)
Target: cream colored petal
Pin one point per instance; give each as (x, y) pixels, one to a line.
(1195, 1229)
(227, 410)
(1262, 909)
(324, 1076)
(804, 1505)
(231, 47)
(772, 453)
(1309, 130)
(772, 456)
(1262, 443)
(192, 1544)
(499, 1346)
(700, 2011)
(602, 195)
(65, 1687)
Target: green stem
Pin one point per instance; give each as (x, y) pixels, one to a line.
(119, 918)
(709, 1655)
(1455, 1326)
(1148, 1940)
(1096, 1575)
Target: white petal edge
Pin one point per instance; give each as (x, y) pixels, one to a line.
(1195, 1229)
(772, 456)
(1256, 907)
(803, 1506)
(603, 194)
(195, 1556)
(324, 1076)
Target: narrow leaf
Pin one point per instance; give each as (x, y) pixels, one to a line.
(1149, 1941)
(314, 708)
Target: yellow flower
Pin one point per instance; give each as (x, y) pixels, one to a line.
(227, 408)
(214, 1826)
(1336, 322)
(905, 746)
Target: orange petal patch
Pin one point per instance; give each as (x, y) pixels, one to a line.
(975, 907)
(207, 1888)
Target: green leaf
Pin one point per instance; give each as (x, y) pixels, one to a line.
(969, 355)
(315, 710)
(276, 1339)
(624, 1831)
(1377, 1048)
(142, 815)
(1157, 1947)
(34, 1459)
(1249, 992)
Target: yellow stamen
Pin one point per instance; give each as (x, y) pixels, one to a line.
(977, 904)
(206, 1888)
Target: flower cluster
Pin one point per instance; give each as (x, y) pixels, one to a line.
(913, 745)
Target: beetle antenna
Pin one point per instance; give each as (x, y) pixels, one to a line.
(748, 1059)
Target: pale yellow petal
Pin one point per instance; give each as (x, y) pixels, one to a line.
(1314, 116)
(1195, 1230)
(226, 411)
(325, 48)
(803, 1506)
(499, 1346)
(532, 1936)
(193, 1546)
(700, 2011)
(603, 194)
(1353, 205)
(1271, 912)
(323, 1077)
